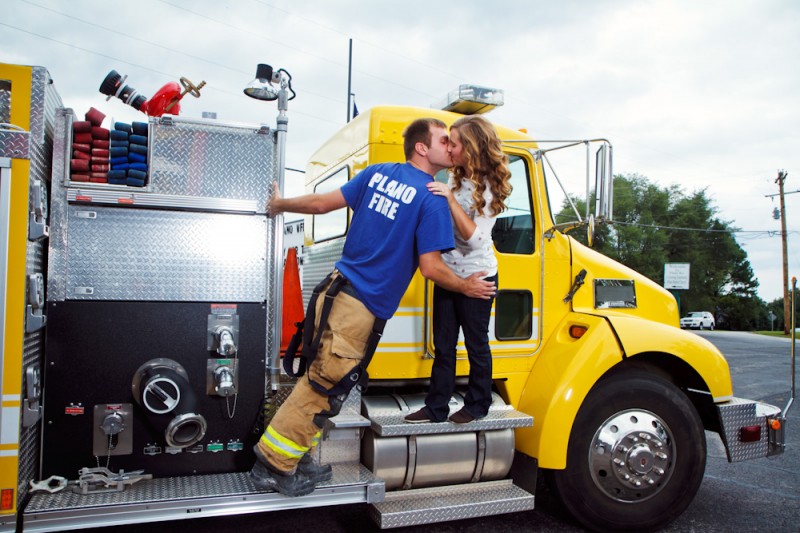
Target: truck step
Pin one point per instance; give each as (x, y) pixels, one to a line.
(456, 502)
(176, 498)
(391, 423)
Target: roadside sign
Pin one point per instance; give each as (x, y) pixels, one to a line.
(676, 276)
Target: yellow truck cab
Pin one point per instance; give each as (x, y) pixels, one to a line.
(141, 326)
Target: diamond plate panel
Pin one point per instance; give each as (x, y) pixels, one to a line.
(147, 491)
(393, 425)
(14, 144)
(5, 102)
(57, 259)
(139, 254)
(443, 504)
(43, 102)
(387, 416)
(211, 159)
(741, 412)
(180, 488)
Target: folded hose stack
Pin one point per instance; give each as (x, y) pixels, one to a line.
(128, 154)
(90, 143)
(117, 156)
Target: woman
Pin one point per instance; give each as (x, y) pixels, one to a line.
(476, 192)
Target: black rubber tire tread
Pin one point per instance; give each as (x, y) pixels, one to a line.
(626, 389)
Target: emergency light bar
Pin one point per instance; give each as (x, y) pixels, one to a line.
(471, 100)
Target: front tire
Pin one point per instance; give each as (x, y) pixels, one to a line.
(636, 456)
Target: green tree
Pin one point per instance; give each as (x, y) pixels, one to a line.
(654, 225)
(776, 307)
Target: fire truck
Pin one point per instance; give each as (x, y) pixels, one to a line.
(142, 321)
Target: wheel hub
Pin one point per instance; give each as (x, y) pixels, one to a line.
(632, 455)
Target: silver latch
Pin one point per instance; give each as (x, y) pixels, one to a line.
(31, 406)
(37, 226)
(34, 314)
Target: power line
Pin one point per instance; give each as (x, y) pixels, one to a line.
(703, 230)
(438, 70)
(336, 63)
(745, 233)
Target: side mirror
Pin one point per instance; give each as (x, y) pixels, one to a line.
(590, 231)
(604, 182)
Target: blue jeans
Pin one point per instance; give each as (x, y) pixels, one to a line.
(453, 311)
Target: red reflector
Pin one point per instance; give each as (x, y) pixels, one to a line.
(576, 332)
(750, 434)
(128, 201)
(82, 198)
(6, 499)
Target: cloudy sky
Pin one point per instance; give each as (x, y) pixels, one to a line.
(704, 95)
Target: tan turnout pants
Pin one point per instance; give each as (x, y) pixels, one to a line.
(297, 426)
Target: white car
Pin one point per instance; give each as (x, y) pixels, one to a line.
(698, 320)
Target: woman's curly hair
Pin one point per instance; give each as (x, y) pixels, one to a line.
(485, 163)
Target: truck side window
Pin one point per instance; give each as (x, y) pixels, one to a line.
(513, 316)
(513, 231)
(333, 224)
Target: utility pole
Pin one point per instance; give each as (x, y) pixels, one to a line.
(786, 304)
(787, 308)
(349, 80)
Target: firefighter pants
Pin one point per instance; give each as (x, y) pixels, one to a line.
(296, 428)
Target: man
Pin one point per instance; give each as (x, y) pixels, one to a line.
(397, 227)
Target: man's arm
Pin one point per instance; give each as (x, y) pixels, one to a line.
(433, 268)
(308, 204)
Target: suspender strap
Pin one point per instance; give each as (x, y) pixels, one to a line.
(310, 350)
(303, 335)
(310, 342)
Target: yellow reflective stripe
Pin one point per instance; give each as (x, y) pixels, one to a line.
(316, 438)
(280, 444)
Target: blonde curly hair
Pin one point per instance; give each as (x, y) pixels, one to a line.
(486, 164)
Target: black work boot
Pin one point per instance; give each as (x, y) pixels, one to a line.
(265, 477)
(313, 470)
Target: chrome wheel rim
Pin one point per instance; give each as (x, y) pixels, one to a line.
(632, 456)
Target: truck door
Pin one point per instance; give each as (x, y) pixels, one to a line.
(514, 325)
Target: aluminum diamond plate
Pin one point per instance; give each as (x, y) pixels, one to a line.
(180, 488)
(14, 143)
(5, 102)
(43, 102)
(57, 259)
(393, 425)
(140, 254)
(737, 413)
(211, 159)
(443, 504)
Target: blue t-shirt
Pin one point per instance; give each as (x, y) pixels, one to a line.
(395, 220)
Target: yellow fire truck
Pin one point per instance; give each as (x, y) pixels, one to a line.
(141, 327)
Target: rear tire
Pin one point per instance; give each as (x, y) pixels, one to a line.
(636, 456)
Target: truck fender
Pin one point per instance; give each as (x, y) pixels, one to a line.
(697, 352)
(562, 376)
